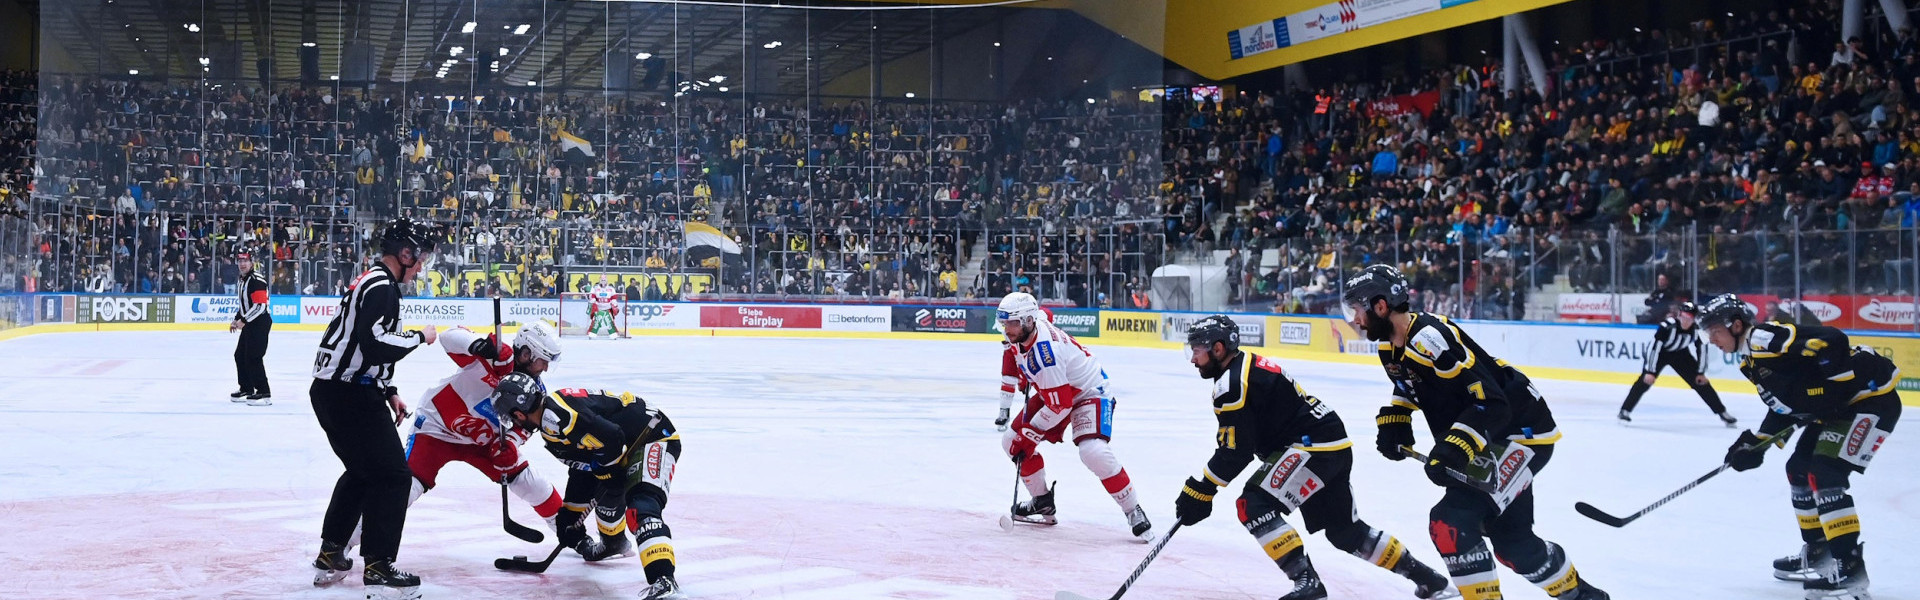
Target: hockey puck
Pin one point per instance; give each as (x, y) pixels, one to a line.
(520, 557)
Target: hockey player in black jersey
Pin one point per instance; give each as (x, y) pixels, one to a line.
(1677, 344)
(1487, 422)
(1305, 457)
(1810, 376)
(620, 455)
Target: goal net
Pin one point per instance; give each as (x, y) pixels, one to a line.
(578, 312)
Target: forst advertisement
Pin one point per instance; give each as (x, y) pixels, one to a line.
(126, 309)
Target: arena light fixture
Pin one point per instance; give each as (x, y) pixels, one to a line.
(717, 78)
(771, 45)
(643, 55)
(723, 88)
(909, 94)
(468, 28)
(532, 83)
(996, 44)
(193, 27)
(522, 29)
(133, 71)
(333, 77)
(1089, 101)
(308, 44)
(204, 61)
(457, 50)
(503, 51)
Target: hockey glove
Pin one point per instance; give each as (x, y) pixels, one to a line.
(486, 347)
(1005, 415)
(1025, 442)
(1747, 452)
(1195, 503)
(1453, 452)
(1396, 430)
(506, 456)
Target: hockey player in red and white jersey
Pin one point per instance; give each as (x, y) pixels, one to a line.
(457, 421)
(604, 299)
(1069, 388)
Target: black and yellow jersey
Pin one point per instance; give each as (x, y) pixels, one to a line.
(595, 430)
(1263, 411)
(1809, 372)
(1445, 374)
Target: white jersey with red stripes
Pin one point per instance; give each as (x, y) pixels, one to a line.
(459, 409)
(1064, 372)
(603, 296)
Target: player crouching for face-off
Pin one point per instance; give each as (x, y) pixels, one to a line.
(458, 421)
(1844, 395)
(1071, 388)
(1482, 412)
(620, 456)
(1306, 460)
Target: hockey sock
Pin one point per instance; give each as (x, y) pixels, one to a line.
(1556, 574)
(1469, 562)
(1371, 545)
(656, 547)
(1280, 540)
(1838, 521)
(1712, 398)
(1033, 472)
(1808, 513)
(533, 489)
(1640, 387)
(611, 520)
(1121, 489)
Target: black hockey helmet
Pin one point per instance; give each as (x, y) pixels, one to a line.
(1724, 309)
(1214, 328)
(404, 233)
(1377, 281)
(518, 392)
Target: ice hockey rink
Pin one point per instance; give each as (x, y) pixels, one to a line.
(839, 469)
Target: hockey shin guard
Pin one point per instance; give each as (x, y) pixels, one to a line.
(1099, 458)
(1469, 562)
(1839, 524)
(1806, 511)
(1556, 574)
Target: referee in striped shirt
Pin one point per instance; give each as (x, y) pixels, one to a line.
(1677, 344)
(355, 401)
(254, 325)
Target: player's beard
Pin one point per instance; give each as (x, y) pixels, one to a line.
(1214, 368)
(1378, 328)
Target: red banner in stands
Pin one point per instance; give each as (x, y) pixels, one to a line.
(761, 317)
(1422, 103)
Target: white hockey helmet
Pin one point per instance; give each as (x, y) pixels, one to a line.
(538, 340)
(1020, 306)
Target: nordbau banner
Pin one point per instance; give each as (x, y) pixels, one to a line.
(125, 309)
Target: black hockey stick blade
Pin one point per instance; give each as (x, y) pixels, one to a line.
(520, 564)
(1593, 512)
(525, 533)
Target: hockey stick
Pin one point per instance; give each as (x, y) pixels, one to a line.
(520, 564)
(1007, 520)
(1136, 570)
(525, 533)
(1484, 486)
(1592, 512)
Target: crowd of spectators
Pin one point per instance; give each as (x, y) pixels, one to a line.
(1742, 151)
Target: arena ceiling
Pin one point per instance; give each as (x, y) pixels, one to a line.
(552, 43)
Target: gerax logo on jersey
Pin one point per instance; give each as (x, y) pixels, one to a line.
(761, 317)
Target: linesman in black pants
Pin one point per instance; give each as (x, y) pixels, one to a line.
(1677, 344)
(254, 325)
(352, 395)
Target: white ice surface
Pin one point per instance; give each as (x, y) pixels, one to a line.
(828, 469)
